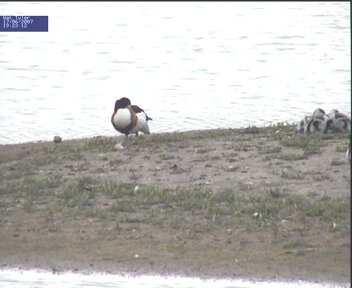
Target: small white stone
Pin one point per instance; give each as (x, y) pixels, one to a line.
(119, 146)
(136, 256)
(232, 168)
(136, 188)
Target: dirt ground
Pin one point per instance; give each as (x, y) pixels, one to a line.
(258, 203)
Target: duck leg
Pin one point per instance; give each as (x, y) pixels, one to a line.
(125, 142)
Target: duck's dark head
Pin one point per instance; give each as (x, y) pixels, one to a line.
(122, 103)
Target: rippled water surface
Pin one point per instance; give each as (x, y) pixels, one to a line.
(191, 66)
(39, 279)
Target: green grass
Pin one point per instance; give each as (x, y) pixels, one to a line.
(342, 148)
(327, 209)
(18, 170)
(338, 162)
(100, 144)
(288, 174)
(79, 193)
(167, 156)
(9, 155)
(292, 156)
(302, 141)
(29, 190)
(46, 159)
(108, 198)
(84, 195)
(115, 189)
(318, 175)
(29, 185)
(160, 206)
(270, 150)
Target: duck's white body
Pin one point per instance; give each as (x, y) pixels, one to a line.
(142, 124)
(122, 118)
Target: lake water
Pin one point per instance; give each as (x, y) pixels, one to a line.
(190, 65)
(42, 279)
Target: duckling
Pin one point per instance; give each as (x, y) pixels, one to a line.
(318, 122)
(302, 124)
(319, 114)
(348, 153)
(339, 122)
(128, 119)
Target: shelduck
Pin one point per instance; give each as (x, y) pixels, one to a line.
(129, 119)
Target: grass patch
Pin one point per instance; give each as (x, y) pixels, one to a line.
(318, 175)
(270, 150)
(130, 202)
(327, 208)
(161, 206)
(28, 191)
(18, 170)
(251, 130)
(122, 206)
(337, 162)
(340, 148)
(292, 156)
(100, 144)
(302, 141)
(242, 147)
(167, 156)
(116, 189)
(8, 153)
(79, 193)
(46, 159)
(29, 185)
(338, 135)
(291, 174)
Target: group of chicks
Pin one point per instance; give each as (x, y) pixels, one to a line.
(321, 122)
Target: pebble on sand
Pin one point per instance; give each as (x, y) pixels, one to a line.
(57, 139)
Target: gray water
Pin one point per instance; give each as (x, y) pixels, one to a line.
(42, 279)
(190, 65)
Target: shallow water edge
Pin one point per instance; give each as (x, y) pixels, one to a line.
(42, 278)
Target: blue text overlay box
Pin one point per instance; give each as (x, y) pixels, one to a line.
(24, 24)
